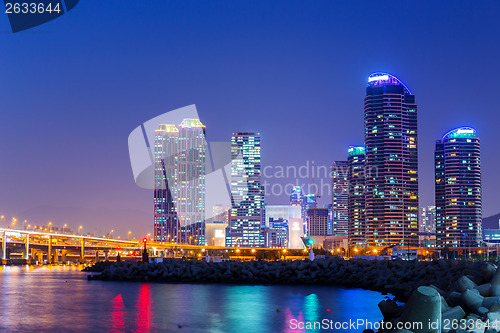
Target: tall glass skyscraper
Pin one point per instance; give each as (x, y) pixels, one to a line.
(391, 160)
(305, 201)
(297, 196)
(458, 189)
(427, 219)
(356, 200)
(317, 221)
(166, 224)
(246, 224)
(340, 198)
(179, 195)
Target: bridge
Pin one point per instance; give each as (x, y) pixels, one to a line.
(30, 247)
(35, 247)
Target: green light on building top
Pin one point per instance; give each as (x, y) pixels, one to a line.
(461, 132)
(354, 150)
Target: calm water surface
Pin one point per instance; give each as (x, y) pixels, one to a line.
(60, 299)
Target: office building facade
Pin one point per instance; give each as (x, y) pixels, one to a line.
(427, 219)
(356, 198)
(458, 189)
(317, 219)
(246, 223)
(179, 194)
(340, 198)
(391, 162)
(293, 217)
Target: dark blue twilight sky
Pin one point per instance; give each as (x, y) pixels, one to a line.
(73, 89)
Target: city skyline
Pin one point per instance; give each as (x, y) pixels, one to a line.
(306, 74)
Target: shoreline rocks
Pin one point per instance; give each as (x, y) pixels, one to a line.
(397, 277)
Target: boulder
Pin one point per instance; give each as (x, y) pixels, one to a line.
(492, 318)
(495, 284)
(489, 301)
(444, 305)
(424, 305)
(455, 313)
(472, 299)
(389, 308)
(464, 283)
(484, 289)
(488, 270)
(455, 298)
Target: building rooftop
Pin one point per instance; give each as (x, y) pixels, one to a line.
(191, 123)
(461, 132)
(167, 128)
(381, 78)
(355, 150)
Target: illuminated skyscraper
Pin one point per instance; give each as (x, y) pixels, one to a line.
(305, 201)
(179, 196)
(317, 219)
(427, 219)
(166, 224)
(356, 198)
(391, 161)
(340, 198)
(292, 215)
(296, 197)
(458, 189)
(246, 224)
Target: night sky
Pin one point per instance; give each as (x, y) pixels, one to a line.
(296, 71)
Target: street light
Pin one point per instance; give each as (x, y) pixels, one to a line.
(80, 230)
(129, 233)
(14, 220)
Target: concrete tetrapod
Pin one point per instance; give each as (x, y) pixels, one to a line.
(423, 309)
(495, 284)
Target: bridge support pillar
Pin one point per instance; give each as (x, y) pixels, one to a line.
(82, 251)
(40, 257)
(63, 257)
(96, 256)
(27, 247)
(4, 246)
(33, 254)
(56, 256)
(106, 254)
(49, 252)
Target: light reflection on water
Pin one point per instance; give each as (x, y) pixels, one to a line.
(59, 298)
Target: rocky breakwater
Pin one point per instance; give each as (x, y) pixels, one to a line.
(470, 304)
(398, 277)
